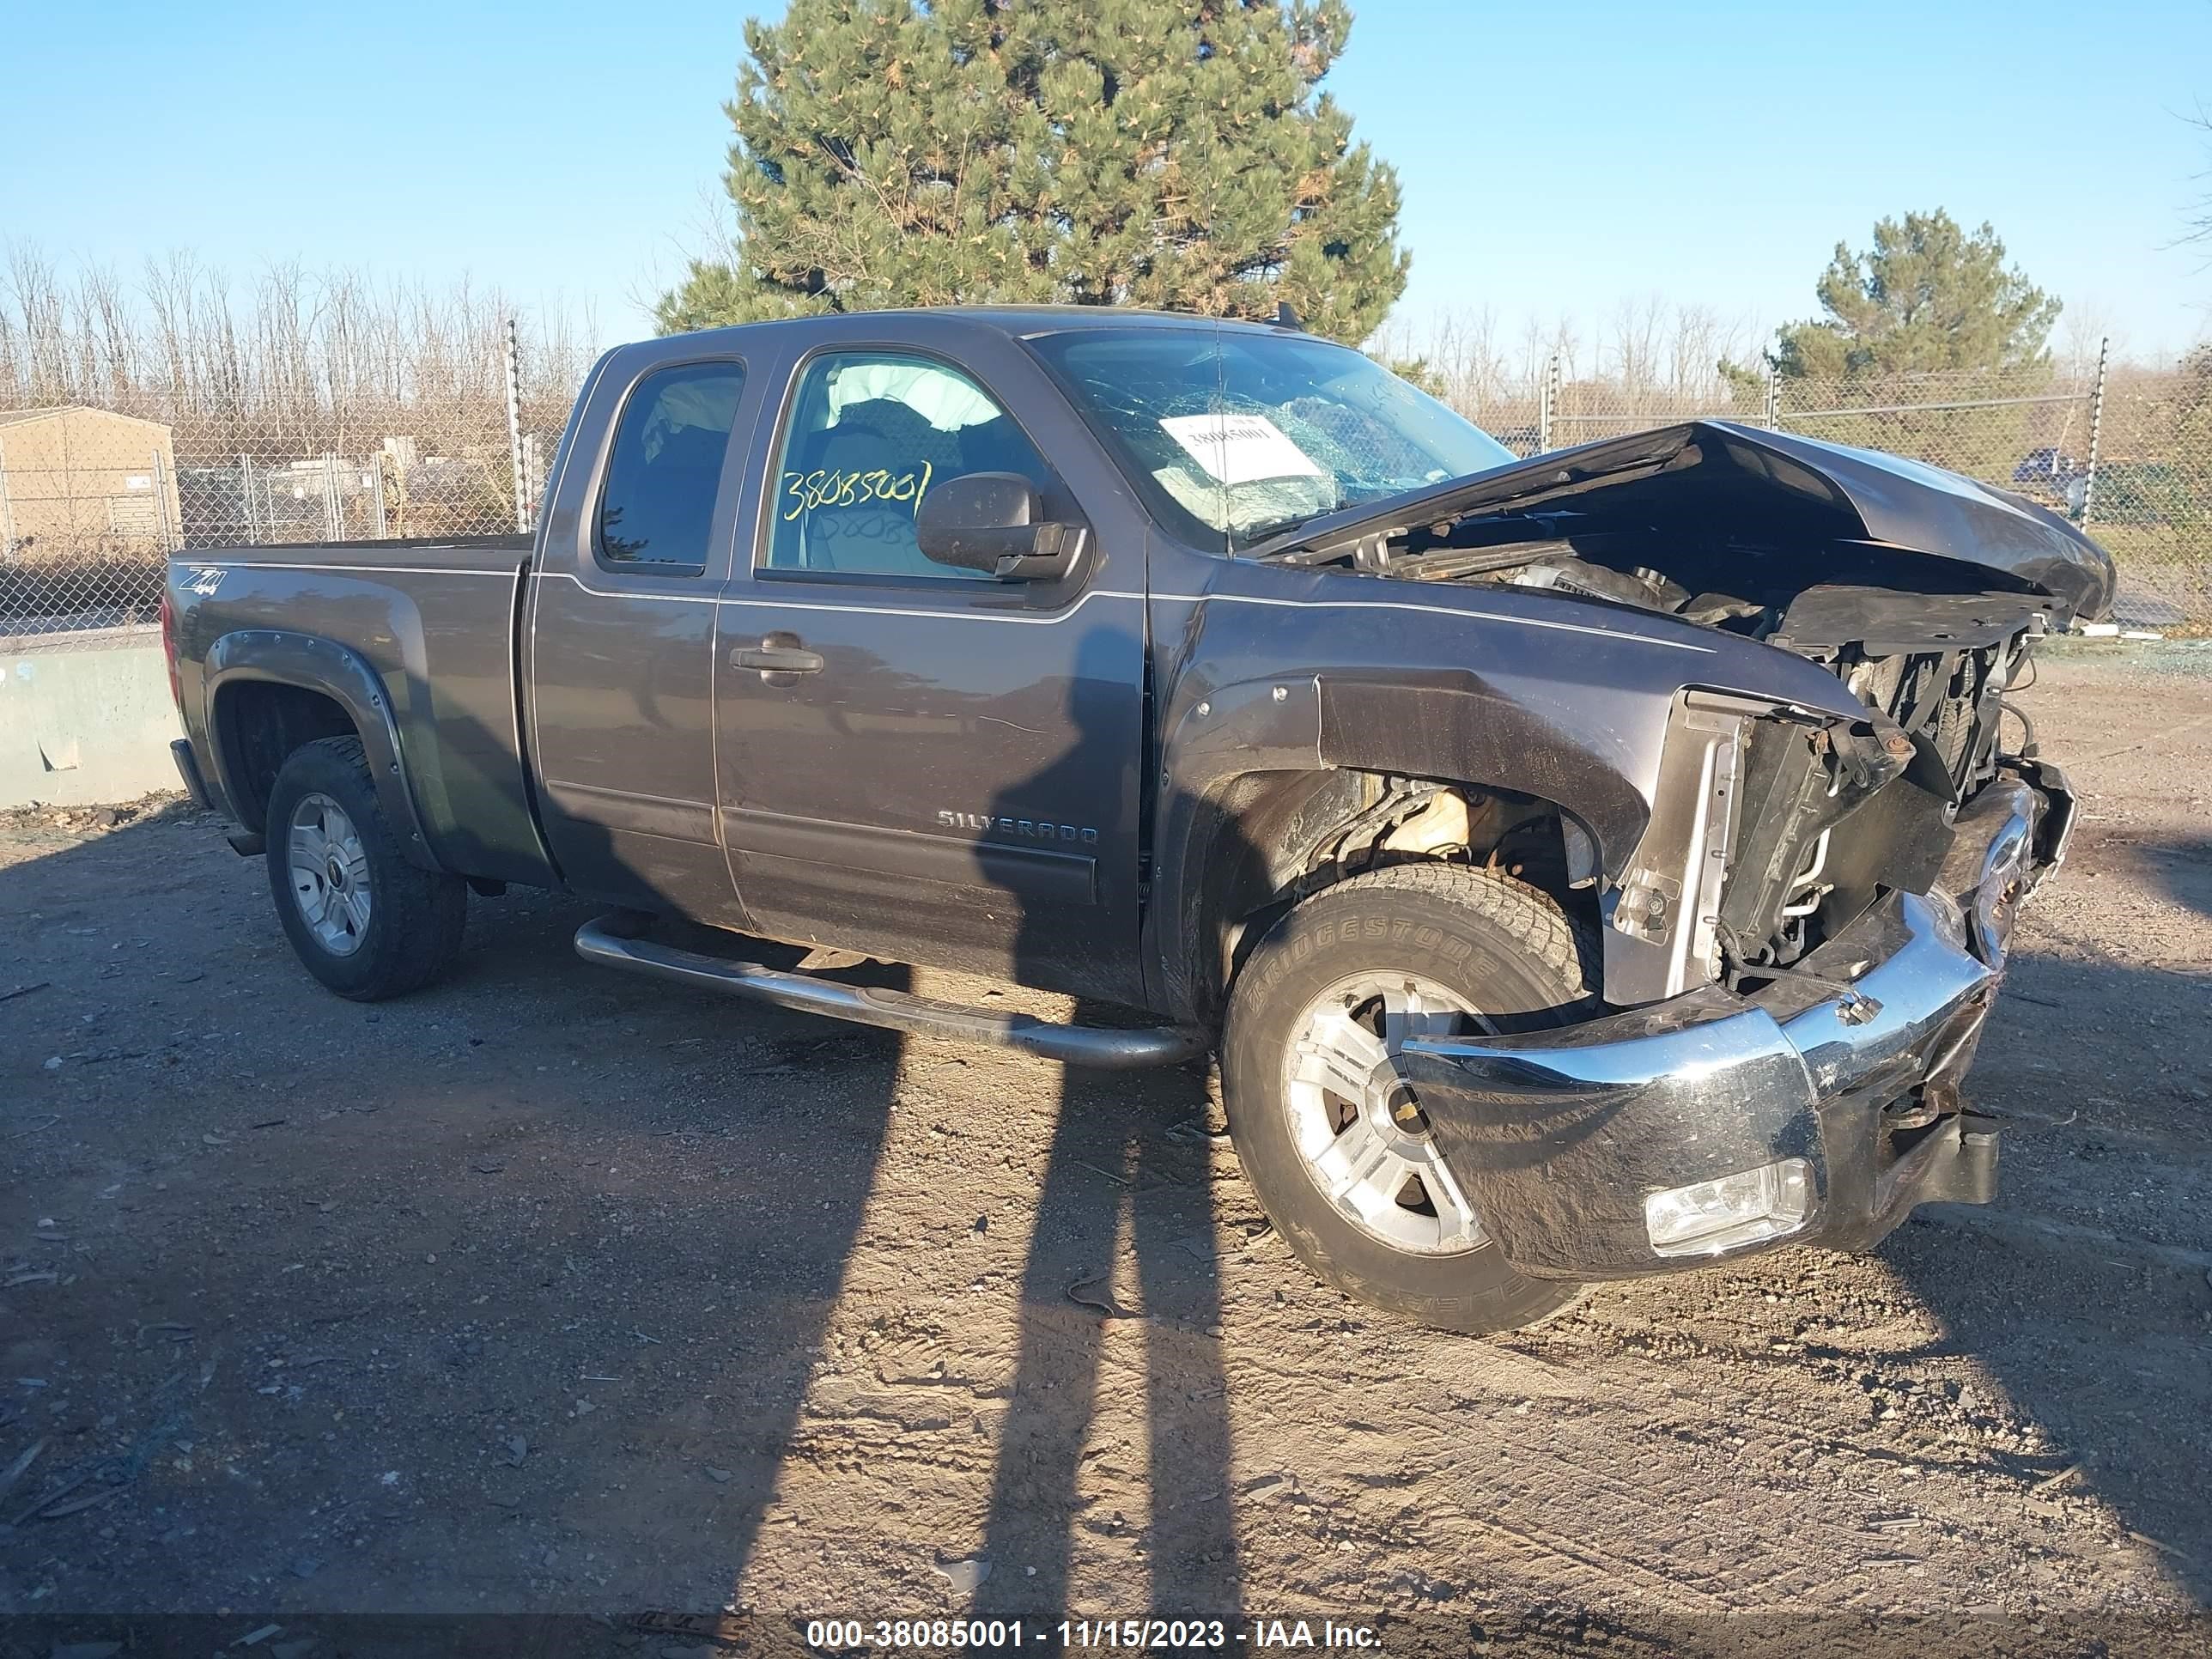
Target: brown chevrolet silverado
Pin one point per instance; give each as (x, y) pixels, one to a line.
(1583, 867)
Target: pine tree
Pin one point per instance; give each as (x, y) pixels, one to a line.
(1926, 296)
(1172, 154)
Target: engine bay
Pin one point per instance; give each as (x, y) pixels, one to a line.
(1827, 818)
(1936, 663)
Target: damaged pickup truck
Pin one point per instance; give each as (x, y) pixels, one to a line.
(1584, 867)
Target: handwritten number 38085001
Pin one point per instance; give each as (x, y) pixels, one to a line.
(804, 491)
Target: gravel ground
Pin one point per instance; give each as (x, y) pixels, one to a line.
(551, 1291)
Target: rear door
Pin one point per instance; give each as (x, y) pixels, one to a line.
(914, 761)
(620, 634)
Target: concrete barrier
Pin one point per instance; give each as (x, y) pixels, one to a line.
(86, 724)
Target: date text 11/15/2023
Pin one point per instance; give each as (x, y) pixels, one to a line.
(1121, 1635)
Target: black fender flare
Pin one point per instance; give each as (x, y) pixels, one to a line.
(1209, 743)
(285, 657)
(1325, 724)
(1450, 726)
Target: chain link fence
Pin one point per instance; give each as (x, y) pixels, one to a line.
(109, 461)
(2149, 501)
(2126, 453)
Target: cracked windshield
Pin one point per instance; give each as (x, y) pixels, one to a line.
(1241, 436)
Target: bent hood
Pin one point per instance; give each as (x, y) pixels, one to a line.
(1745, 482)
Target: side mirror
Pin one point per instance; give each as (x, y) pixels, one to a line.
(988, 522)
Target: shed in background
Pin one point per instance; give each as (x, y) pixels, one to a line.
(77, 481)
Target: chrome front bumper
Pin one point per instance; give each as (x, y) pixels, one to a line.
(1559, 1138)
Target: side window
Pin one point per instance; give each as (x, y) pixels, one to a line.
(870, 434)
(658, 504)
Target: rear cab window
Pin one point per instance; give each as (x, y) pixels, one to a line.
(656, 509)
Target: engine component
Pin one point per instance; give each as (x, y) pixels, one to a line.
(1641, 586)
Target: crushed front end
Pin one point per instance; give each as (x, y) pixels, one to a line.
(1803, 950)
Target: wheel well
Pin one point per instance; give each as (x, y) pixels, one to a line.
(257, 725)
(1275, 838)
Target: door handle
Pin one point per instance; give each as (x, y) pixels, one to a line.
(777, 654)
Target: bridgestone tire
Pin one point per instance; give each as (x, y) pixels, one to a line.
(1495, 944)
(415, 915)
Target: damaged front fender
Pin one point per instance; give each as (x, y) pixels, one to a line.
(1281, 671)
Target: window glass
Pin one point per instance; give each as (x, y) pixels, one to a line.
(1238, 434)
(658, 506)
(870, 434)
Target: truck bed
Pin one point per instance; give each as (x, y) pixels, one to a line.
(433, 619)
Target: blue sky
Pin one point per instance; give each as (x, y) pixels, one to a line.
(1556, 160)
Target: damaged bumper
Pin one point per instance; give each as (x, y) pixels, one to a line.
(1713, 1125)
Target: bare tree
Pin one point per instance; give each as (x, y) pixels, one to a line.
(41, 317)
(1650, 360)
(312, 362)
(2088, 324)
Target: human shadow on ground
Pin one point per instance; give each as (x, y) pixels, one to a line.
(1115, 1186)
(1114, 1182)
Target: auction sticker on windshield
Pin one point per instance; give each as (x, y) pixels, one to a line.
(1239, 449)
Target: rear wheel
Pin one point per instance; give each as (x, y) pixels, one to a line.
(1328, 1130)
(363, 921)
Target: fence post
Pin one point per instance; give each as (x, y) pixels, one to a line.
(165, 531)
(1547, 397)
(7, 513)
(1774, 396)
(2096, 431)
(246, 493)
(514, 427)
(333, 522)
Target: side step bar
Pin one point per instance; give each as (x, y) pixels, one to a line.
(602, 941)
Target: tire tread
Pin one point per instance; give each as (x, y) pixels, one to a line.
(1529, 915)
(419, 914)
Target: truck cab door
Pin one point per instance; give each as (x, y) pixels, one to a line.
(618, 662)
(916, 762)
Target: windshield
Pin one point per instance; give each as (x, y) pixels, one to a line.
(1239, 435)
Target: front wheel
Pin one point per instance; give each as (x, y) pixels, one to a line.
(364, 920)
(1330, 1133)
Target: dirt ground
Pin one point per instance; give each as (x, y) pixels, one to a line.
(551, 1291)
